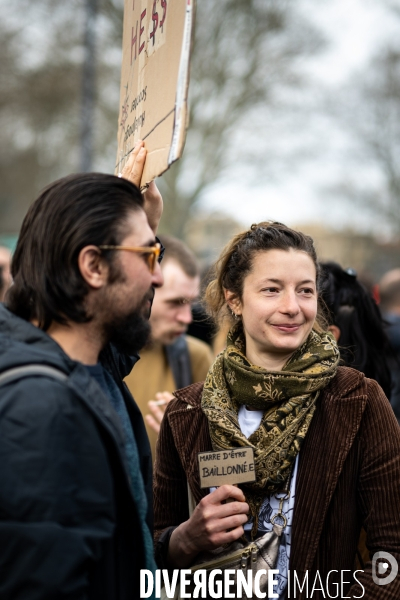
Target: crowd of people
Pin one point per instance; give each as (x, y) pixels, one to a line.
(306, 377)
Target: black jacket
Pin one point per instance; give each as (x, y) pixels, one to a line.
(393, 359)
(68, 522)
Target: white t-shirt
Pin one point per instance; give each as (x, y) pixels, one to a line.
(249, 421)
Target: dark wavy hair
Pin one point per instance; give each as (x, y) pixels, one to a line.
(69, 214)
(363, 342)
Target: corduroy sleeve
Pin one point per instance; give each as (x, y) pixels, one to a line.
(170, 488)
(379, 495)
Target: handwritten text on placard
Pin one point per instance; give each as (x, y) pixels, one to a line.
(234, 465)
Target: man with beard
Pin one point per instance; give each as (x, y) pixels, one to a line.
(75, 466)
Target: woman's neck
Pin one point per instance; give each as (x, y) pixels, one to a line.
(267, 361)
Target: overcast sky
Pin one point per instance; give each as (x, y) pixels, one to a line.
(356, 29)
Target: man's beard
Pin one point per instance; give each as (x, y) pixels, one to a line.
(128, 333)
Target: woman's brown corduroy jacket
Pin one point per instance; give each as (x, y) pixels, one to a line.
(348, 477)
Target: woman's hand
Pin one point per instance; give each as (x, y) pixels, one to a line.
(212, 524)
(132, 171)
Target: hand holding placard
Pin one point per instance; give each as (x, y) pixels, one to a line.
(212, 524)
(133, 171)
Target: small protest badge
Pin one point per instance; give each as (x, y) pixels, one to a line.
(231, 466)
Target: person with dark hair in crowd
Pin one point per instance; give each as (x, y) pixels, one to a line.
(75, 468)
(171, 359)
(202, 326)
(356, 322)
(389, 293)
(326, 443)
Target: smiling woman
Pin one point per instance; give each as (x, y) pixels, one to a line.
(326, 444)
(278, 306)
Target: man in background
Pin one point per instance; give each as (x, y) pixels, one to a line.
(173, 359)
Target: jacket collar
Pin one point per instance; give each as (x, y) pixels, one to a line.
(190, 395)
(15, 331)
(22, 343)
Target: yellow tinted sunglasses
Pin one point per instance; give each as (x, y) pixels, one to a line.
(151, 253)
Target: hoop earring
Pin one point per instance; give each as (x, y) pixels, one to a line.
(234, 315)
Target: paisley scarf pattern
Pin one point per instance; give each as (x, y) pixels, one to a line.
(288, 398)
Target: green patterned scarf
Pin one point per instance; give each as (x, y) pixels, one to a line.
(288, 398)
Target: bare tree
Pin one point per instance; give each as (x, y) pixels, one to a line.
(42, 68)
(88, 86)
(247, 52)
(367, 110)
(370, 114)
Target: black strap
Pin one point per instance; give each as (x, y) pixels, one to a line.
(179, 360)
(17, 373)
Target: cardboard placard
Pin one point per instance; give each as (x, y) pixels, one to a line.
(154, 81)
(231, 466)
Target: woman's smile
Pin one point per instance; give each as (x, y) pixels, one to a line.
(287, 327)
